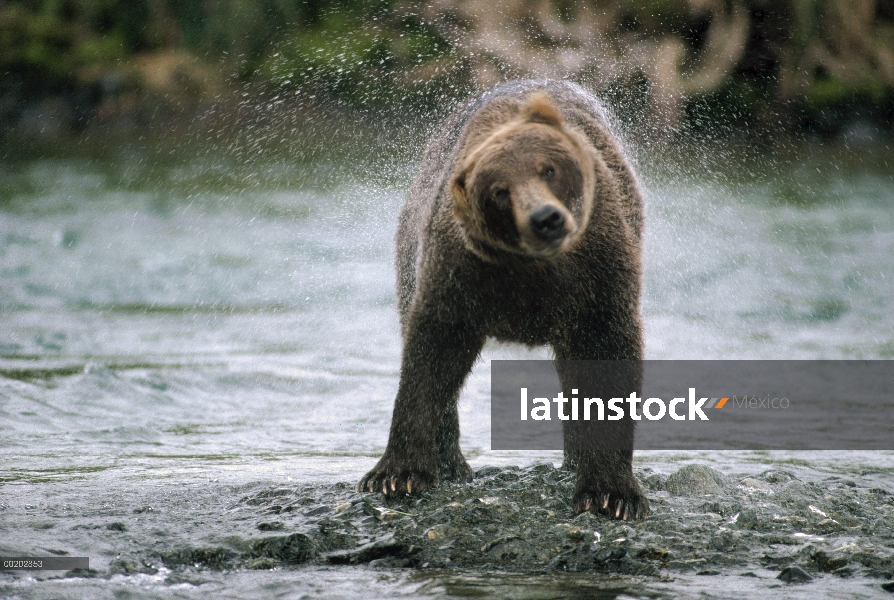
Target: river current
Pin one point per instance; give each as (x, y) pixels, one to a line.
(170, 322)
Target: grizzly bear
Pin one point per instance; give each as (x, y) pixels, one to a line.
(524, 225)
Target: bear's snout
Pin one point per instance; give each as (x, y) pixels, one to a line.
(548, 223)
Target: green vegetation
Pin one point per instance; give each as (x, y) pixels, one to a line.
(53, 43)
(366, 62)
(735, 63)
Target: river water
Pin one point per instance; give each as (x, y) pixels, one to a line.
(175, 327)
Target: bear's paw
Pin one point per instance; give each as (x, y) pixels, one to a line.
(395, 477)
(626, 501)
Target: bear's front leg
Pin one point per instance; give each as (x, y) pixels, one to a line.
(437, 357)
(452, 465)
(601, 451)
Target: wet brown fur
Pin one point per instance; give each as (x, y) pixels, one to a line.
(464, 275)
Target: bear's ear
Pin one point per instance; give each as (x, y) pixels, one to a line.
(460, 198)
(539, 109)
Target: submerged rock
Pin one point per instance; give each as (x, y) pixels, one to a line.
(794, 574)
(694, 480)
(215, 558)
(290, 549)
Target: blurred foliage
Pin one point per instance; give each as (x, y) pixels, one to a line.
(366, 62)
(731, 61)
(53, 40)
(64, 39)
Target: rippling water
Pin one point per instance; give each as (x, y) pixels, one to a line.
(160, 321)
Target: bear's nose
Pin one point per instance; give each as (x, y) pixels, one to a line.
(548, 223)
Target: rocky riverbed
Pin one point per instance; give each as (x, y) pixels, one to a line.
(778, 526)
(519, 520)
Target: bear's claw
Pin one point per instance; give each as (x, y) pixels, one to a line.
(395, 485)
(632, 505)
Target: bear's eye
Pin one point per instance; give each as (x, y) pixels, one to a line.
(501, 195)
(547, 173)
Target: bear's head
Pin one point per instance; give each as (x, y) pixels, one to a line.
(526, 186)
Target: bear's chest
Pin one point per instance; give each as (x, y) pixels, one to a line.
(527, 310)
